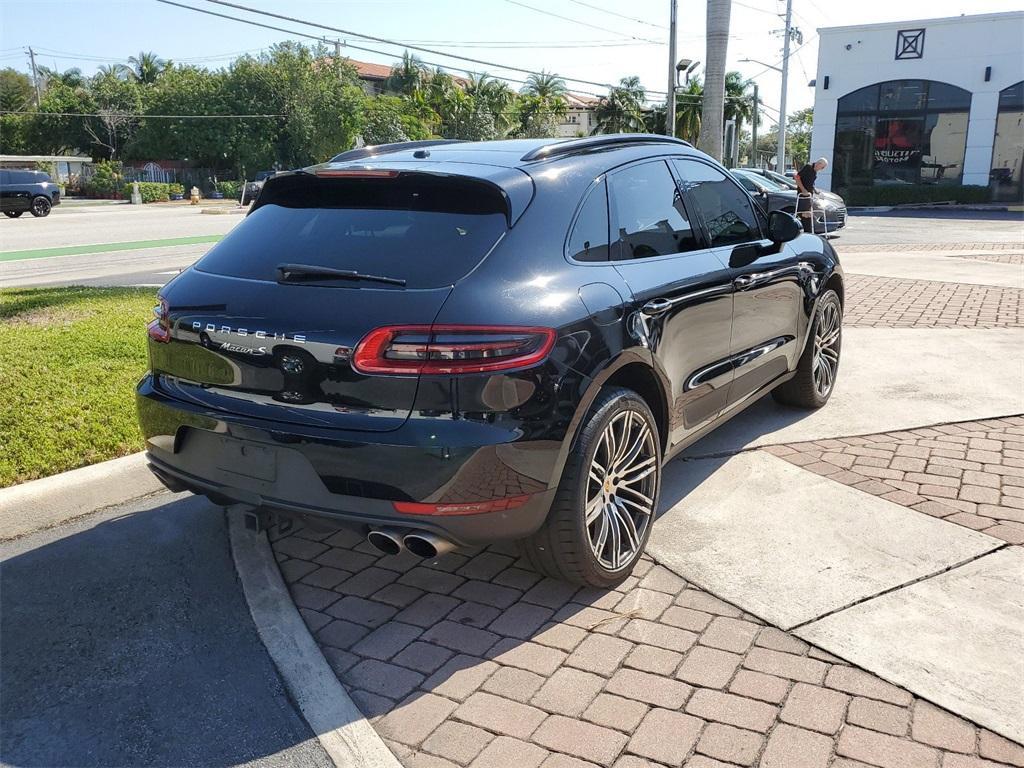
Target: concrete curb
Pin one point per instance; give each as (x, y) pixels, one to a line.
(343, 732)
(53, 500)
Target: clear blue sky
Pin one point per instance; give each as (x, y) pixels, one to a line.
(88, 33)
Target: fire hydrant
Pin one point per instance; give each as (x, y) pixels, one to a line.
(194, 196)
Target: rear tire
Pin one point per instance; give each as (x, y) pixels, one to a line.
(816, 372)
(13, 214)
(614, 472)
(40, 207)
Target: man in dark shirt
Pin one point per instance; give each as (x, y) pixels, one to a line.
(805, 188)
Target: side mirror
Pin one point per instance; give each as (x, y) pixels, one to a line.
(782, 227)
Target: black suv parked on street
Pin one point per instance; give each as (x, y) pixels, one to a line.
(31, 191)
(456, 343)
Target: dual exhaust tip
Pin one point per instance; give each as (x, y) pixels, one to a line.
(423, 544)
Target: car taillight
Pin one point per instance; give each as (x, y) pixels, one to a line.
(461, 508)
(159, 329)
(449, 349)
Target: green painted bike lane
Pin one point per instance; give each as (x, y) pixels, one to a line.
(77, 250)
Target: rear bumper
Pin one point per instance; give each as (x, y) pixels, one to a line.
(352, 478)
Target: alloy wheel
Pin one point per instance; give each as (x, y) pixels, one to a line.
(826, 347)
(621, 489)
(40, 206)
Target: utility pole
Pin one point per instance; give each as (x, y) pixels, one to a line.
(670, 99)
(35, 74)
(753, 130)
(780, 164)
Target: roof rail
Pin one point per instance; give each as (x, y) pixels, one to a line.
(569, 146)
(384, 149)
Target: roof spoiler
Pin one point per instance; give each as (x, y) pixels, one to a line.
(384, 149)
(571, 146)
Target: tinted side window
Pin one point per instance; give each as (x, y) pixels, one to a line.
(748, 183)
(648, 214)
(725, 207)
(589, 238)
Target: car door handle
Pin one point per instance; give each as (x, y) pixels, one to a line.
(745, 281)
(656, 307)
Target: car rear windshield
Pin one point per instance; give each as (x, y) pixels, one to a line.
(426, 230)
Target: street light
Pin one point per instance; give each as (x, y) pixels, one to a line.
(763, 64)
(685, 67)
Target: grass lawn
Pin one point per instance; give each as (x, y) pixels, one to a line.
(69, 362)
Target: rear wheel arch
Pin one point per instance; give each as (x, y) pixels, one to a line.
(835, 282)
(642, 379)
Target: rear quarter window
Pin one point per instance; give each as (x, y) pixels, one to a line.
(427, 230)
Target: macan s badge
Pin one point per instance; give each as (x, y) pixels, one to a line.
(227, 346)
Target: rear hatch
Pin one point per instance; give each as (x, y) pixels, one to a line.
(265, 324)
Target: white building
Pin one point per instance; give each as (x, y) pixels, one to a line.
(579, 118)
(934, 101)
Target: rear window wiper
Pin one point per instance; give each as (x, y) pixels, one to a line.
(292, 273)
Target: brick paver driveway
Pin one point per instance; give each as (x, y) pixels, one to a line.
(473, 659)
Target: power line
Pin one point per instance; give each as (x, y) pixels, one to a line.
(346, 44)
(754, 8)
(803, 45)
(576, 21)
(137, 116)
(620, 15)
(384, 40)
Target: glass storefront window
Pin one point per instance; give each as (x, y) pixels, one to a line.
(942, 153)
(1008, 149)
(854, 149)
(902, 95)
(897, 155)
(901, 132)
(864, 100)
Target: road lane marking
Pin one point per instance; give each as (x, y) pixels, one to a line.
(78, 250)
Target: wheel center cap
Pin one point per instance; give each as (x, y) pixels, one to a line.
(609, 486)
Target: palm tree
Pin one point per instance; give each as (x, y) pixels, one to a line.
(621, 111)
(112, 70)
(739, 104)
(72, 78)
(689, 106)
(146, 67)
(712, 115)
(407, 76)
(546, 86)
(494, 97)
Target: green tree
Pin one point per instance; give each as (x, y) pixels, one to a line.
(540, 106)
(407, 76)
(188, 91)
(16, 92)
(73, 78)
(383, 121)
(495, 98)
(118, 105)
(58, 128)
(621, 111)
(798, 135)
(320, 107)
(146, 68)
(739, 101)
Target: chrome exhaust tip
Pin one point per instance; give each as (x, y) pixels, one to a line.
(427, 545)
(385, 540)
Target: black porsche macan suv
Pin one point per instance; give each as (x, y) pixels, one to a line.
(451, 343)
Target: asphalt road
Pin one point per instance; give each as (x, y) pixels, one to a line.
(154, 266)
(127, 641)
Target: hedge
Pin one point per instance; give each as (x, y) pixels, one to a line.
(151, 191)
(900, 194)
(230, 189)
